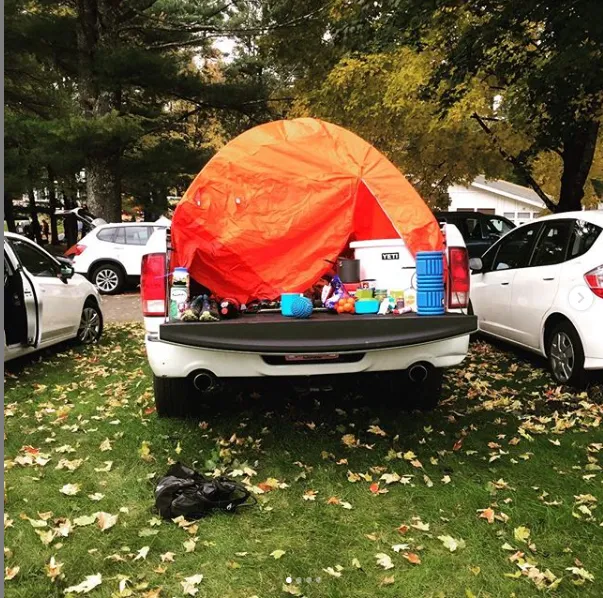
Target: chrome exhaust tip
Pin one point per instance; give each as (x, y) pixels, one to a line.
(418, 373)
(204, 381)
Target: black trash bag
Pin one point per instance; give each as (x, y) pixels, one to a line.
(183, 491)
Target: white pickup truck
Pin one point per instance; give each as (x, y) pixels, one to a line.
(190, 359)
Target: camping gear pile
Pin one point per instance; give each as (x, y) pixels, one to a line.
(300, 216)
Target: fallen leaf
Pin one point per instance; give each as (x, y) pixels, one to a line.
(356, 563)
(451, 543)
(582, 574)
(106, 468)
(11, 572)
(189, 585)
(349, 440)
(167, 557)
(178, 449)
(400, 547)
(403, 529)
(333, 500)
(376, 430)
(446, 479)
(353, 477)
(96, 496)
(277, 554)
(521, 534)
(487, 514)
(310, 495)
(424, 527)
(141, 555)
(387, 581)
(413, 558)
(46, 537)
(332, 572)
(53, 569)
(84, 520)
(70, 489)
(384, 560)
(346, 505)
(155, 593)
(189, 545)
(106, 520)
(145, 452)
(91, 582)
(291, 589)
(105, 445)
(390, 478)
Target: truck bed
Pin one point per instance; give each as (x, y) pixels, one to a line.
(323, 332)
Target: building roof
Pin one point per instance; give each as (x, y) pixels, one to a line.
(517, 192)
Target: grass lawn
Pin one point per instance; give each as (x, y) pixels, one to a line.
(497, 493)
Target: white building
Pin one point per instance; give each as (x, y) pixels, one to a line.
(517, 203)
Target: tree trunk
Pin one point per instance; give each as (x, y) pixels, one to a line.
(52, 201)
(578, 154)
(96, 28)
(9, 214)
(35, 230)
(103, 187)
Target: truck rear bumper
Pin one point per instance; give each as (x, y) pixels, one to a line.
(178, 361)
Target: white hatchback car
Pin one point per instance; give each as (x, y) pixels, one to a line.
(45, 302)
(541, 287)
(110, 255)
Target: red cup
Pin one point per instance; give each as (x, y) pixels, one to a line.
(351, 288)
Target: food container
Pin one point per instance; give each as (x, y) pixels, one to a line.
(380, 294)
(365, 294)
(348, 270)
(367, 306)
(351, 288)
(287, 300)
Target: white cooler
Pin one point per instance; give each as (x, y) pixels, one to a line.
(388, 261)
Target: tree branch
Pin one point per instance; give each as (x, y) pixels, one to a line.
(516, 163)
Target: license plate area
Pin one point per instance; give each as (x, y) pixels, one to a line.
(312, 358)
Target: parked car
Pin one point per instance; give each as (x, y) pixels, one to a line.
(480, 231)
(413, 350)
(45, 302)
(541, 287)
(110, 255)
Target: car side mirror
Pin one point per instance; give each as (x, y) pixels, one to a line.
(67, 272)
(476, 264)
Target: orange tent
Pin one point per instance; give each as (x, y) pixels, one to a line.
(273, 204)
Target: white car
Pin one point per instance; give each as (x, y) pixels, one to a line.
(411, 350)
(541, 287)
(45, 302)
(110, 255)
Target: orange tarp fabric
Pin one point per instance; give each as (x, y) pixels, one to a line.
(273, 204)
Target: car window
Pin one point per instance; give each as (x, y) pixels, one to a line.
(35, 260)
(515, 249)
(473, 228)
(120, 236)
(497, 226)
(107, 234)
(552, 243)
(137, 235)
(583, 236)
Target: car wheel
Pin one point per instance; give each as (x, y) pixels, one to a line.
(172, 396)
(566, 355)
(91, 324)
(108, 279)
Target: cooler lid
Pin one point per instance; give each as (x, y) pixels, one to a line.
(377, 243)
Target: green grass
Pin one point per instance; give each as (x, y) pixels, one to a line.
(80, 397)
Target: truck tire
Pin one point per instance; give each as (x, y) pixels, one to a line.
(424, 395)
(172, 396)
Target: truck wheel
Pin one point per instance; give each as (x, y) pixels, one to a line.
(172, 396)
(423, 395)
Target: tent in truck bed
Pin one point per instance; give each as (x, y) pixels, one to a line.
(274, 204)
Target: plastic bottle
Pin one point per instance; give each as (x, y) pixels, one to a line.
(229, 308)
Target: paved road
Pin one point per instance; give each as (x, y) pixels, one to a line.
(122, 308)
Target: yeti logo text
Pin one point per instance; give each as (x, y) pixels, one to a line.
(390, 256)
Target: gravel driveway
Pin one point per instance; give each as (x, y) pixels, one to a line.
(122, 308)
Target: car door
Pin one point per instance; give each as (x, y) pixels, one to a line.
(535, 287)
(491, 287)
(60, 303)
(474, 234)
(21, 305)
(136, 238)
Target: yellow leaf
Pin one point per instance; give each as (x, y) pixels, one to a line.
(11, 572)
(167, 557)
(145, 451)
(91, 582)
(141, 555)
(189, 545)
(53, 568)
(349, 440)
(277, 554)
(521, 534)
(70, 489)
(384, 560)
(451, 543)
(387, 581)
(189, 585)
(105, 445)
(376, 430)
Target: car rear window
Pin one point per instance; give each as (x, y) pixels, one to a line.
(107, 234)
(584, 235)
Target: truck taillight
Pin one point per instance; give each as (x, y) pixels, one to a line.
(594, 279)
(458, 294)
(76, 250)
(152, 284)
